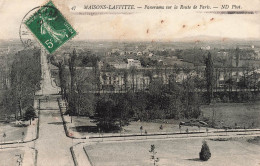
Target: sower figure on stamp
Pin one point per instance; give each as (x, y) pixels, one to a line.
(57, 35)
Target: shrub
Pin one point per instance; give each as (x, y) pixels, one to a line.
(205, 152)
(29, 113)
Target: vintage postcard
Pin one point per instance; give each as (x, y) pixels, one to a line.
(129, 83)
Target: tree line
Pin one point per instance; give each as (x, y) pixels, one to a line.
(178, 100)
(25, 77)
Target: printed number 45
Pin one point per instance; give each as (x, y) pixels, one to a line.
(49, 43)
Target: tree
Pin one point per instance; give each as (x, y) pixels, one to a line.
(237, 54)
(29, 114)
(209, 77)
(85, 100)
(205, 152)
(105, 115)
(59, 62)
(122, 110)
(126, 73)
(133, 72)
(153, 155)
(25, 79)
(112, 112)
(72, 97)
(62, 78)
(149, 73)
(175, 93)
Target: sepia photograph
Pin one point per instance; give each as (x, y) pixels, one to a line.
(130, 83)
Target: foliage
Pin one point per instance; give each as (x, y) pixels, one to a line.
(88, 59)
(62, 78)
(105, 115)
(25, 79)
(159, 102)
(209, 76)
(29, 113)
(111, 113)
(85, 101)
(205, 152)
(148, 62)
(194, 56)
(72, 97)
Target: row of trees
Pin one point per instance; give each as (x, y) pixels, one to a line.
(171, 100)
(75, 83)
(25, 77)
(161, 100)
(240, 87)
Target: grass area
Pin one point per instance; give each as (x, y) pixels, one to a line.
(84, 126)
(234, 115)
(13, 133)
(231, 115)
(9, 157)
(174, 152)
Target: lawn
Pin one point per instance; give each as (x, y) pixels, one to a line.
(13, 133)
(234, 115)
(9, 157)
(174, 152)
(84, 126)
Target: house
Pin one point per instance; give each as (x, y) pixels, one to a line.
(118, 65)
(139, 53)
(133, 63)
(205, 48)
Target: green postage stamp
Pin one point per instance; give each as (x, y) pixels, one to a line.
(50, 27)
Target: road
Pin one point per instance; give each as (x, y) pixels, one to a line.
(52, 144)
(47, 85)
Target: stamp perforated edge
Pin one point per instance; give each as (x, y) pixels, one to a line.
(62, 16)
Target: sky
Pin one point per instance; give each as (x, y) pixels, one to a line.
(142, 24)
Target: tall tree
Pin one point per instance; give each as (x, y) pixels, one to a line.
(126, 73)
(72, 97)
(237, 54)
(133, 72)
(85, 100)
(25, 79)
(62, 78)
(209, 76)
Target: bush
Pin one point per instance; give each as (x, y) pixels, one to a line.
(29, 113)
(205, 152)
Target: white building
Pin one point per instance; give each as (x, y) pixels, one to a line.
(133, 63)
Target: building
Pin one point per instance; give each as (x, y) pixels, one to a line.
(118, 65)
(133, 63)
